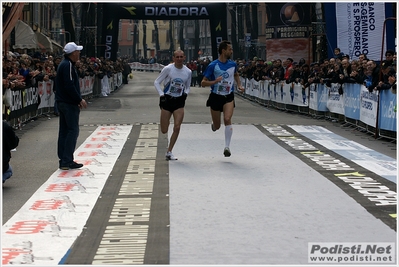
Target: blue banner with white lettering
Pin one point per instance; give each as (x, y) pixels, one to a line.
(352, 101)
(387, 110)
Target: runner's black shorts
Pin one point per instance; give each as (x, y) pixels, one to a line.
(171, 103)
(216, 102)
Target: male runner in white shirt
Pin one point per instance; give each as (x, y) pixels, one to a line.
(176, 79)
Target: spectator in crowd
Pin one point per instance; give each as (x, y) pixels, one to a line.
(260, 71)
(389, 57)
(304, 73)
(345, 70)
(356, 75)
(315, 74)
(192, 65)
(392, 82)
(288, 65)
(387, 71)
(126, 71)
(372, 76)
(362, 57)
(278, 73)
(332, 75)
(301, 62)
(294, 74)
(10, 142)
(338, 54)
(69, 101)
(200, 71)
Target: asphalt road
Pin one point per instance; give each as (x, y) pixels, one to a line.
(195, 190)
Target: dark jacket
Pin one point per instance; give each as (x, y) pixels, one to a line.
(10, 141)
(67, 83)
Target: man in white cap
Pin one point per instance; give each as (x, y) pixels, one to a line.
(69, 102)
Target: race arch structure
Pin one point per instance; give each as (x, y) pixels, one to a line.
(216, 13)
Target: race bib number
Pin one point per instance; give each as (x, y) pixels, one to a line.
(176, 89)
(223, 88)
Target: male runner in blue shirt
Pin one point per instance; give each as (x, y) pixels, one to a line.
(220, 75)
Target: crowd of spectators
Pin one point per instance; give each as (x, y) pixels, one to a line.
(22, 70)
(338, 69)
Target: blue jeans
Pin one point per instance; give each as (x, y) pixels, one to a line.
(7, 174)
(68, 132)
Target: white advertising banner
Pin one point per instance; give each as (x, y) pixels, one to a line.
(359, 28)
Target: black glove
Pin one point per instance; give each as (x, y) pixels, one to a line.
(162, 100)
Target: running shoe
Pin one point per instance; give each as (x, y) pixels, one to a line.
(169, 156)
(227, 152)
(213, 129)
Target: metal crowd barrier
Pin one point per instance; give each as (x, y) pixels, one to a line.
(31, 102)
(373, 112)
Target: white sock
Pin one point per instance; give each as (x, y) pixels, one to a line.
(228, 132)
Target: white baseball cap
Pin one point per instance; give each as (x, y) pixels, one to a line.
(71, 47)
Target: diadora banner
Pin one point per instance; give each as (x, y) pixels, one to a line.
(357, 28)
(216, 13)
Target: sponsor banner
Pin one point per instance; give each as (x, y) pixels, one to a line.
(368, 106)
(297, 95)
(141, 66)
(86, 85)
(318, 95)
(335, 102)
(57, 212)
(359, 28)
(351, 100)
(290, 20)
(387, 113)
(46, 94)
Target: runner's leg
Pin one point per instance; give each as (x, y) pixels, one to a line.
(178, 116)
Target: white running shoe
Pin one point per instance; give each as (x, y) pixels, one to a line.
(226, 152)
(169, 156)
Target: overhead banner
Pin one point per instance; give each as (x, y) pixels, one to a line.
(113, 12)
(357, 28)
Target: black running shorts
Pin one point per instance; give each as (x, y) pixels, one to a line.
(171, 103)
(216, 102)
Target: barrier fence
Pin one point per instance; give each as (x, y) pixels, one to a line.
(27, 103)
(374, 112)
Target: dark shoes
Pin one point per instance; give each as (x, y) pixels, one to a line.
(73, 165)
(227, 152)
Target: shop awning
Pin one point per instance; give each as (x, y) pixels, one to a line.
(44, 42)
(56, 45)
(25, 37)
